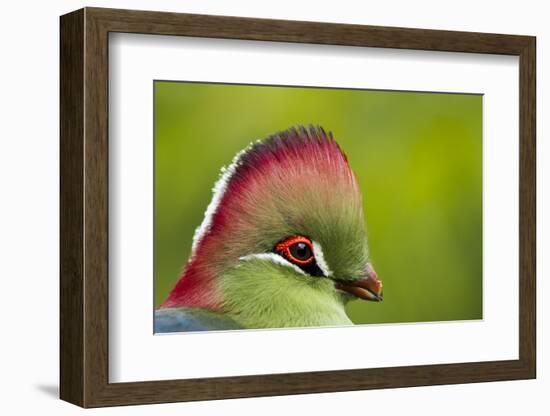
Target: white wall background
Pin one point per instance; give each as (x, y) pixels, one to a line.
(29, 206)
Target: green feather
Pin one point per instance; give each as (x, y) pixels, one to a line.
(263, 294)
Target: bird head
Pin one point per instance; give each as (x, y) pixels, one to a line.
(283, 239)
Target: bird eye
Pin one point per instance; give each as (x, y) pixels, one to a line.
(296, 249)
(300, 251)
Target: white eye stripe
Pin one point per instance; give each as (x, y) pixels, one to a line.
(320, 259)
(274, 258)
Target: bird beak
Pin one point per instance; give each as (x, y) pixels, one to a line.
(368, 288)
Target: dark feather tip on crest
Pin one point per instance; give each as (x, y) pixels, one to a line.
(298, 135)
(295, 140)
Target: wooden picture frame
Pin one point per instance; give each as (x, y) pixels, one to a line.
(85, 218)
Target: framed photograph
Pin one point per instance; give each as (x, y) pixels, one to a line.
(255, 207)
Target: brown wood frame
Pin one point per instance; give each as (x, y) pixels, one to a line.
(84, 207)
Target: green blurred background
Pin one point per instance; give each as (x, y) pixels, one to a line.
(417, 156)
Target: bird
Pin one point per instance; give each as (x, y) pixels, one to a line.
(283, 242)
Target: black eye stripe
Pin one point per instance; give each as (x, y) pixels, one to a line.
(312, 269)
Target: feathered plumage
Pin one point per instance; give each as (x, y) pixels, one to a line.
(186, 319)
(294, 183)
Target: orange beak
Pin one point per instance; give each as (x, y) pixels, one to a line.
(368, 288)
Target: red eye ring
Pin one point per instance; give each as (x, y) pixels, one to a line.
(286, 246)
